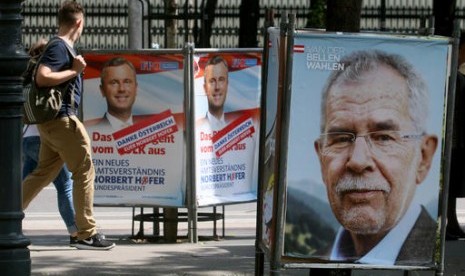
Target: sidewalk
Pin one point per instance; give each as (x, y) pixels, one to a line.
(232, 255)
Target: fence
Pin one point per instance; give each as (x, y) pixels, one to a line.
(107, 21)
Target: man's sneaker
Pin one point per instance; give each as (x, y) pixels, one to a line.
(95, 242)
(72, 241)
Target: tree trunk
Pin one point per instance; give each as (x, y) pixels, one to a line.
(248, 15)
(170, 24)
(135, 25)
(170, 229)
(444, 15)
(207, 23)
(343, 16)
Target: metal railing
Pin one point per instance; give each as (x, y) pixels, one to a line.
(107, 21)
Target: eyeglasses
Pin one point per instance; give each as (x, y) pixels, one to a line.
(381, 143)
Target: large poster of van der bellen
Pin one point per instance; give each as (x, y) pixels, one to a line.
(365, 148)
(133, 112)
(227, 100)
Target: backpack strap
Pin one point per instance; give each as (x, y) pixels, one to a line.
(71, 52)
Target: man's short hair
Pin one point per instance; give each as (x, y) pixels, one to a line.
(358, 63)
(216, 60)
(68, 13)
(116, 61)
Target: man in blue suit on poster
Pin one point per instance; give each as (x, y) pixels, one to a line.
(374, 150)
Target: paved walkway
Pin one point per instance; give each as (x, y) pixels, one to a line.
(232, 255)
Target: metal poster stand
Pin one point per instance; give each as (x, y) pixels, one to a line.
(262, 250)
(259, 252)
(287, 31)
(190, 144)
(448, 147)
(275, 253)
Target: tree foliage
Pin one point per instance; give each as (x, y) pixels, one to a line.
(317, 16)
(444, 16)
(334, 15)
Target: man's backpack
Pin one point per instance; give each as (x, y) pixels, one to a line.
(41, 104)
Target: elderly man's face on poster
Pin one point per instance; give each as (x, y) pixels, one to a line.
(370, 171)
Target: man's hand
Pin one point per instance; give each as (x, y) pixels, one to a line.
(79, 64)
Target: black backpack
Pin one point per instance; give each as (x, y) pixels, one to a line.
(41, 104)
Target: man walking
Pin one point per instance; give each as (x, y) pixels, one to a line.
(64, 139)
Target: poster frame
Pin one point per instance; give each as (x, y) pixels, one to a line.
(154, 52)
(200, 51)
(276, 256)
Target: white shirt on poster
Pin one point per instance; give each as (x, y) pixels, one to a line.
(118, 124)
(392, 241)
(216, 124)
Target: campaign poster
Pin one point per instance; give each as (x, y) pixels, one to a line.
(268, 185)
(227, 113)
(133, 112)
(364, 159)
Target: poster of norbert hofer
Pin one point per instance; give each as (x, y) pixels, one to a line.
(227, 112)
(365, 147)
(133, 112)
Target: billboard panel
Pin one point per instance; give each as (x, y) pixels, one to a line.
(226, 104)
(133, 112)
(364, 149)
